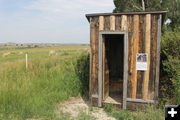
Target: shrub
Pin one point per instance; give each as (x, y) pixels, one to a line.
(170, 68)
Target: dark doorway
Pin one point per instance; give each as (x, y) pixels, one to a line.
(113, 65)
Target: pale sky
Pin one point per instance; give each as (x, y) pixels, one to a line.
(48, 21)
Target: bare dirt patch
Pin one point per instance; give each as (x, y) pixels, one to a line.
(77, 106)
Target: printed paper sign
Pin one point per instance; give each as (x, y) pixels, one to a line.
(141, 61)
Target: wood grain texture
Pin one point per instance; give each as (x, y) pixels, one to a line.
(106, 73)
(135, 46)
(152, 72)
(100, 71)
(147, 50)
(143, 37)
(125, 74)
(158, 57)
(106, 23)
(124, 23)
(94, 34)
(140, 74)
(90, 64)
(112, 22)
(130, 51)
(101, 22)
(118, 23)
(104, 57)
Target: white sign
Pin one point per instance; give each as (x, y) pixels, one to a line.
(141, 61)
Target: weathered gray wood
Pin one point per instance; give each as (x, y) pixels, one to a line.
(125, 74)
(112, 32)
(100, 74)
(140, 100)
(103, 67)
(158, 57)
(94, 34)
(95, 96)
(90, 64)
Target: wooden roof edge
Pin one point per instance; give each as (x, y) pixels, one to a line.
(124, 13)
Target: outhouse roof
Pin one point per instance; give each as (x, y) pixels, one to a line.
(124, 13)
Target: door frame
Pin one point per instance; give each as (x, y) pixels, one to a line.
(101, 69)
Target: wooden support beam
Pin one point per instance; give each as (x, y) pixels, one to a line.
(124, 25)
(135, 46)
(101, 22)
(125, 73)
(112, 22)
(100, 70)
(147, 50)
(92, 60)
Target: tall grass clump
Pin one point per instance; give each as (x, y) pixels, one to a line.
(82, 71)
(33, 93)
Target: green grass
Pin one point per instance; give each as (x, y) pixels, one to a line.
(149, 113)
(49, 80)
(34, 93)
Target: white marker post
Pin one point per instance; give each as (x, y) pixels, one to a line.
(26, 61)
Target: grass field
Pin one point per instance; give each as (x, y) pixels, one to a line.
(49, 79)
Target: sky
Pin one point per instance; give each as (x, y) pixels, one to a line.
(48, 21)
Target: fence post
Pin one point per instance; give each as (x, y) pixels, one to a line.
(26, 61)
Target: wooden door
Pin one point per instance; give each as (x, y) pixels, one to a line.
(105, 70)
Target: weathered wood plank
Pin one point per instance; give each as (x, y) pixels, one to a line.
(135, 46)
(101, 22)
(112, 22)
(106, 70)
(130, 51)
(94, 34)
(100, 70)
(90, 64)
(107, 23)
(104, 57)
(124, 23)
(158, 57)
(152, 72)
(140, 74)
(93, 39)
(106, 66)
(118, 23)
(125, 73)
(147, 50)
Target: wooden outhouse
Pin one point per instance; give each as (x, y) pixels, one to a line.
(124, 58)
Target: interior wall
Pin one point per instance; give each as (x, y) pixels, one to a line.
(114, 53)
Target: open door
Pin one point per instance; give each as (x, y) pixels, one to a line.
(105, 71)
(113, 65)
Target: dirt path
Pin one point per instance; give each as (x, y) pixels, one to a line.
(77, 106)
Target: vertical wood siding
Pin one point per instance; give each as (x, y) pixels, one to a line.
(94, 34)
(147, 50)
(143, 38)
